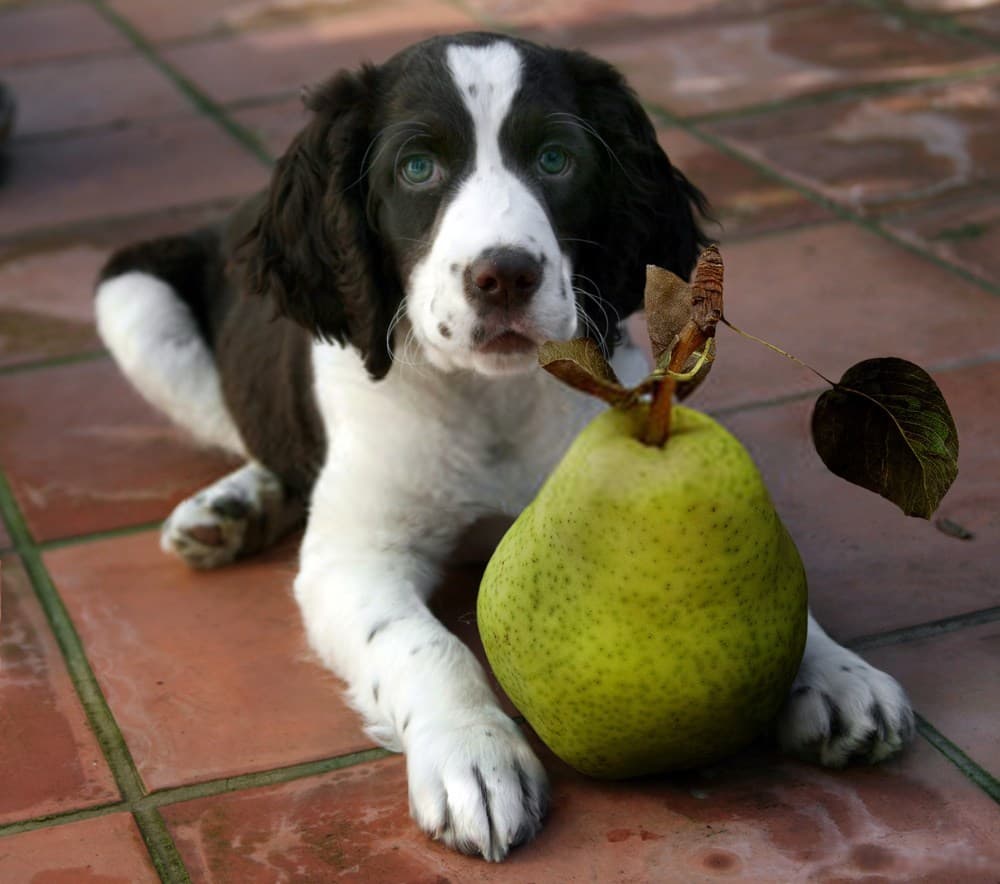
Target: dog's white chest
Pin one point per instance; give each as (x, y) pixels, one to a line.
(475, 445)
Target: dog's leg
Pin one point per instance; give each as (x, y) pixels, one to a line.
(366, 571)
(155, 340)
(841, 708)
(240, 514)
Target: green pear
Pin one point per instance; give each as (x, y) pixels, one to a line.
(647, 611)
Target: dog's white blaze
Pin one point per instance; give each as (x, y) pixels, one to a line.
(493, 209)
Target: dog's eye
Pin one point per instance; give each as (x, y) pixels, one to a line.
(553, 161)
(419, 169)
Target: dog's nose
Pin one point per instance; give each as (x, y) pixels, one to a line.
(504, 277)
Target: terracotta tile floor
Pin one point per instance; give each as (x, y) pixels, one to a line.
(162, 724)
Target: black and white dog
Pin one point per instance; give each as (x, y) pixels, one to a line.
(440, 216)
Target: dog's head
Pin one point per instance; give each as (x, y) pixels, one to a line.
(491, 192)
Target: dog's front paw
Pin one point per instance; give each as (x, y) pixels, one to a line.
(477, 787)
(842, 709)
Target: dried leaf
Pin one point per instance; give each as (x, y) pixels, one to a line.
(682, 314)
(887, 428)
(581, 364)
(706, 300)
(668, 309)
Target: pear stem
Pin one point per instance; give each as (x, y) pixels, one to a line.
(658, 422)
(706, 311)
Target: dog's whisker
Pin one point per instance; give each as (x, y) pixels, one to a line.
(598, 298)
(589, 242)
(397, 317)
(417, 361)
(602, 304)
(586, 322)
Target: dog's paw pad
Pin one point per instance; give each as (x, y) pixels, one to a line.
(207, 532)
(204, 535)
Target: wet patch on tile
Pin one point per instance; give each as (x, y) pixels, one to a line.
(963, 229)
(52, 762)
(743, 200)
(765, 59)
(107, 850)
(756, 817)
(886, 152)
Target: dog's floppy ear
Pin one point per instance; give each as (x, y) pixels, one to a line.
(312, 249)
(650, 210)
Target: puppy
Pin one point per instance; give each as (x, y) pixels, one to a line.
(363, 334)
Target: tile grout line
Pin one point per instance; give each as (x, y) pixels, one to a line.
(841, 211)
(206, 789)
(51, 820)
(929, 629)
(97, 536)
(52, 362)
(257, 779)
(162, 850)
(187, 87)
(973, 771)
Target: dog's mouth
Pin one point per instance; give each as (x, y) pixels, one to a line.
(507, 343)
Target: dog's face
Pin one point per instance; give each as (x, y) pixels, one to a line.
(482, 186)
(493, 193)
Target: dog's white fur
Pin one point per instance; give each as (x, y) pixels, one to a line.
(493, 209)
(412, 461)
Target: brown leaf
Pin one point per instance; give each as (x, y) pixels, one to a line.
(682, 314)
(668, 309)
(581, 364)
(706, 302)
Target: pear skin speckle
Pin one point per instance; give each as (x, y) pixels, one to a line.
(647, 611)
